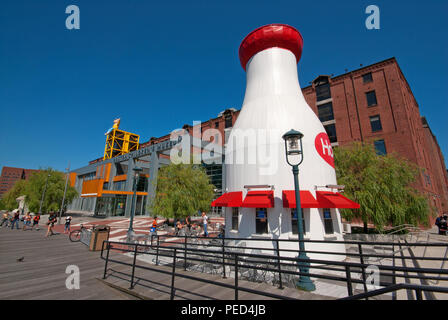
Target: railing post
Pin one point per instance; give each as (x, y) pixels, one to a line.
(236, 276)
(157, 250)
(278, 264)
(418, 294)
(361, 258)
(185, 253)
(173, 274)
(349, 280)
(224, 258)
(133, 266)
(107, 259)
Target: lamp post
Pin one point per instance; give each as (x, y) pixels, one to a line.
(65, 191)
(43, 194)
(137, 171)
(294, 157)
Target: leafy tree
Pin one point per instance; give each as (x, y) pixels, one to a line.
(9, 198)
(182, 190)
(382, 185)
(53, 193)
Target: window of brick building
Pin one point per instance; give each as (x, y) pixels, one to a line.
(216, 124)
(371, 98)
(228, 121)
(331, 132)
(366, 78)
(325, 112)
(380, 147)
(375, 123)
(322, 86)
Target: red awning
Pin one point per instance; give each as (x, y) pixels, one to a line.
(306, 199)
(230, 199)
(259, 199)
(328, 199)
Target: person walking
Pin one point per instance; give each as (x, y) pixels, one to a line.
(68, 220)
(36, 221)
(188, 223)
(153, 229)
(5, 219)
(205, 223)
(51, 221)
(15, 219)
(27, 221)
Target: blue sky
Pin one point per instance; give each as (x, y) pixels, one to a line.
(160, 65)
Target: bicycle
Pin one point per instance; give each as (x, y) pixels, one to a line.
(76, 235)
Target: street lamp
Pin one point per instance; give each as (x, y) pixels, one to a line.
(43, 194)
(137, 171)
(294, 157)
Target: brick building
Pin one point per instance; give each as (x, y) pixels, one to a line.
(373, 104)
(10, 175)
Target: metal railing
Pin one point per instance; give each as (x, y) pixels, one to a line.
(232, 260)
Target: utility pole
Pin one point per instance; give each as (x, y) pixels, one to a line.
(43, 195)
(65, 191)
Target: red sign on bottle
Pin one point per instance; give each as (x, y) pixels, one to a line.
(324, 149)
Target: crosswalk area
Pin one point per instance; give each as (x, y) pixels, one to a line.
(141, 225)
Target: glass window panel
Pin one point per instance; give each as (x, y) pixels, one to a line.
(371, 98)
(375, 123)
(261, 221)
(331, 132)
(325, 112)
(380, 147)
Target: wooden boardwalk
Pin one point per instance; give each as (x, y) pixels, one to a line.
(41, 274)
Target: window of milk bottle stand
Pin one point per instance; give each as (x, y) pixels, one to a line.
(261, 221)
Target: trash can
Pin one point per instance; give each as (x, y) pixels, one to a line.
(99, 235)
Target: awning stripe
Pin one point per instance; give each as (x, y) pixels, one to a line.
(328, 199)
(259, 199)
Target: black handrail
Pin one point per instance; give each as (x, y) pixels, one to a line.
(279, 264)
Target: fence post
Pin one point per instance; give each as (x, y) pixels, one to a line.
(185, 253)
(349, 280)
(173, 274)
(361, 258)
(278, 265)
(107, 259)
(236, 276)
(418, 294)
(224, 258)
(133, 266)
(157, 250)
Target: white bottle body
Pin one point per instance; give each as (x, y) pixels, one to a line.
(273, 105)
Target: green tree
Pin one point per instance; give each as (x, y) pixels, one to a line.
(9, 198)
(53, 193)
(382, 185)
(182, 190)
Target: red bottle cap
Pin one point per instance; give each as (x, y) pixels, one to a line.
(271, 36)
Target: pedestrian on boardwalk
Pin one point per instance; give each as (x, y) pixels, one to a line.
(15, 219)
(68, 220)
(51, 221)
(205, 223)
(36, 221)
(5, 219)
(153, 229)
(179, 227)
(27, 221)
(188, 223)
